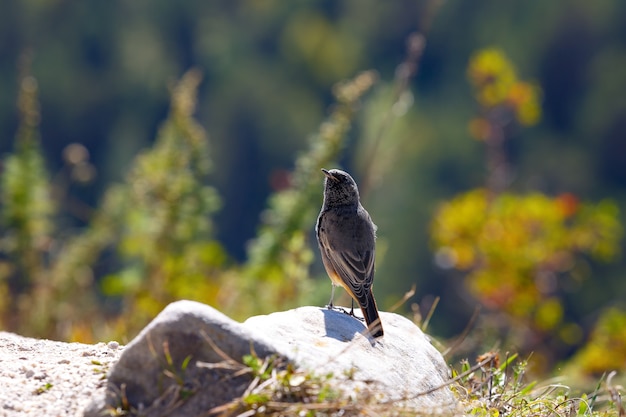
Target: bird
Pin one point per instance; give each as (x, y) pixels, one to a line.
(346, 236)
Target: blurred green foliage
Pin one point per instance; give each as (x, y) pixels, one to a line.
(158, 222)
(497, 85)
(279, 258)
(166, 238)
(25, 217)
(606, 348)
(515, 248)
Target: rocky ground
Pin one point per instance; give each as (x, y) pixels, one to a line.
(46, 378)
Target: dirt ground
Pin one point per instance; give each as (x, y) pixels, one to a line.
(46, 378)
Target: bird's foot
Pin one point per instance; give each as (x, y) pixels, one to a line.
(351, 313)
(335, 308)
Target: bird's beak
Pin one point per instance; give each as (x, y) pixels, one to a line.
(329, 175)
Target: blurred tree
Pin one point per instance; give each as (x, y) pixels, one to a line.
(279, 258)
(166, 235)
(515, 247)
(158, 219)
(157, 226)
(26, 213)
(606, 348)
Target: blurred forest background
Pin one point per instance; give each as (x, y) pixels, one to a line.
(164, 150)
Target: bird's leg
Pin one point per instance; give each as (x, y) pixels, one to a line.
(351, 313)
(330, 305)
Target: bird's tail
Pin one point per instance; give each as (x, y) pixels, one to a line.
(370, 313)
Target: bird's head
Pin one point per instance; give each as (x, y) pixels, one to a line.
(339, 188)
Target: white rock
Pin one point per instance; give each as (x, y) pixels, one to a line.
(403, 363)
(402, 366)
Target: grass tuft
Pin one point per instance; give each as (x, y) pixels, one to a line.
(492, 389)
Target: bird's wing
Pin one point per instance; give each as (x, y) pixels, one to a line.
(355, 268)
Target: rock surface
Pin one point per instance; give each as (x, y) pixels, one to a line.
(40, 378)
(402, 365)
(154, 374)
(155, 377)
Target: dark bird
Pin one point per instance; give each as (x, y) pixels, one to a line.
(347, 239)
